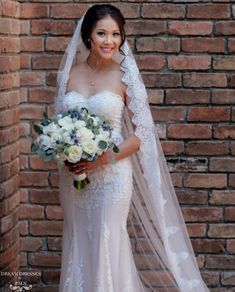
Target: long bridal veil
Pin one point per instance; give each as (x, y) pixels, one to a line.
(161, 244)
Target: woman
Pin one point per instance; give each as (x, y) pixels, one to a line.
(98, 71)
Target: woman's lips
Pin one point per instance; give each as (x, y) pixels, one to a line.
(106, 50)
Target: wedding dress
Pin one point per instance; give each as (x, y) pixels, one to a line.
(97, 254)
(96, 249)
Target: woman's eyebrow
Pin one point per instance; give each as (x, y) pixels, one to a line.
(103, 29)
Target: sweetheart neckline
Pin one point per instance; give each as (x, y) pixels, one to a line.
(98, 93)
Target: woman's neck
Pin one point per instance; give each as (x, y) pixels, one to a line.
(98, 64)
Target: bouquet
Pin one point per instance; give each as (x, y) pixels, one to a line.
(73, 136)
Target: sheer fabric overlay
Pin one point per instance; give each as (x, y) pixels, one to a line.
(157, 226)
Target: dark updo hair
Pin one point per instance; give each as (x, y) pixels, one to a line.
(96, 13)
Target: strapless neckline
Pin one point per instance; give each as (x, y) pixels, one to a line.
(98, 93)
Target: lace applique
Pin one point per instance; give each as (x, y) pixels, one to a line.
(79, 276)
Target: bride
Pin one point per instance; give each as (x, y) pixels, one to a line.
(98, 71)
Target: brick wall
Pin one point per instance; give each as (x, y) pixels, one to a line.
(9, 139)
(185, 51)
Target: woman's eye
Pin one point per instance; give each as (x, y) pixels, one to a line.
(116, 33)
(100, 33)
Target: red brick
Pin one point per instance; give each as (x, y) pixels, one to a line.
(172, 147)
(68, 10)
(42, 196)
(228, 278)
(149, 27)
(231, 246)
(224, 27)
(32, 78)
(231, 182)
(223, 96)
(25, 61)
(9, 99)
(220, 262)
(208, 245)
(42, 95)
(189, 131)
(222, 164)
(9, 117)
(168, 113)
(36, 163)
(224, 63)
(208, 11)
(231, 45)
(205, 180)
(10, 8)
(155, 96)
(24, 129)
(163, 10)
(9, 63)
(202, 214)
(54, 213)
(224, 131)
(203, 45)
(9, 26)
(25, 145)
(207, 148)
(54, 243)
(24, 227)
(196, 229)
(46, 228)
(10, 44)
(221, 230)
(46, 62)
(158, 44)
(34, 10)
(51, 276)
(31, 211)
(212, 114)
(204, 80)
(190, 28)
(9, 153)
(192, 197)
(29, 112)
(58, 44)
(44, 258)
(33, 178)
(150, 62)
(45, 26)
(8, 255)
(186, 96)
(229, 214)
(10, 186)
(54, 179)
(8, 222)
(24, 27)
(9, 81)
(185, 62)
(31, 243)
(226, 197)
(162, 79)
(32, 44)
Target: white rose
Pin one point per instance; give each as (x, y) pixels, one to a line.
(89, 146)
(66, 123)
(85, 133)
(74, 153)
(79, 124)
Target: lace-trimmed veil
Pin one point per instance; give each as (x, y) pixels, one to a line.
(157, 225)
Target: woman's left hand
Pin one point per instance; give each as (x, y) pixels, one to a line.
(86, 166)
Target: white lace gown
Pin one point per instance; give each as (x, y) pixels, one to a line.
(96, 251)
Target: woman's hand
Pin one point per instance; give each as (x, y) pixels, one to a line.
(84, 166)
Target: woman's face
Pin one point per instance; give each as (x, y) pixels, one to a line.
(105, 38)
